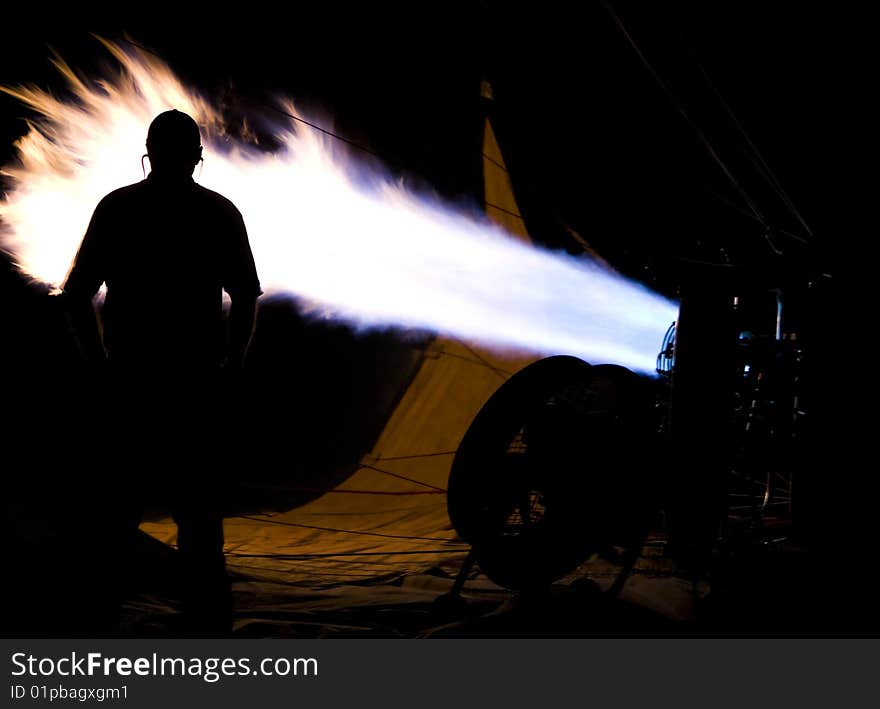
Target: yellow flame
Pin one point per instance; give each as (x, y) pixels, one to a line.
(375, 255)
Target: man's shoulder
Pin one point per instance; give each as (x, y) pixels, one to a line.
(122, 195)
(216, 200)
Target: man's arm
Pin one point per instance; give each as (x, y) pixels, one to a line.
(83, 324)
(242, 319)
(241, 282)
(82, 282)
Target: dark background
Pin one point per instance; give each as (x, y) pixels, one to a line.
(589, 134)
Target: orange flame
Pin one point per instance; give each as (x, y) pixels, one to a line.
(373, 255)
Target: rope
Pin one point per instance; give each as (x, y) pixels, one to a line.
(325, 131)
(678, 105)
(500, 372)
(319, 560)
(432, 489)
(359, 553)
(764, 167)
(321, 572)
(749, 215)
(336, 491)
(402, 477)
(506, 211)
(416, 455)
(375, 154)
(349, 531)
(503, 373)
(495, 162)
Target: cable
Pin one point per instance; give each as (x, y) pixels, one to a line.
(495, 162)
(416, 455)
(402, 477)
(748, 215)
(367, 553)
(378, 155)
(681, 109)
(318, 572)
(317, 560)
(324, 130)
(432, 489)
(337, 491)
(350, 531)
(767, 172)
(503, 373)
(506, 211)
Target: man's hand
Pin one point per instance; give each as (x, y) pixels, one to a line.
(82, 322)
(242, 319)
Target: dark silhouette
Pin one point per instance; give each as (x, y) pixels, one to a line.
(166, 248)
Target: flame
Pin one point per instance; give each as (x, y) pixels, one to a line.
(365, 251)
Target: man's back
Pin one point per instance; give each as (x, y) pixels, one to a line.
(166, 249)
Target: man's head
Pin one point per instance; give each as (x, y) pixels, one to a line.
(173, 144)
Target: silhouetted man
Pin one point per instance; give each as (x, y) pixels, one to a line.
(166, 248)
